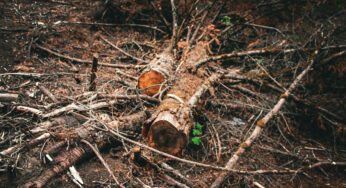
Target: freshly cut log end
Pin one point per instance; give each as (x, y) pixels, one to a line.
(150, 82)
(165, 136)
(158, 70)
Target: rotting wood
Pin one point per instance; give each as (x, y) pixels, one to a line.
(158, 71)
(171, 123)
(64, 160)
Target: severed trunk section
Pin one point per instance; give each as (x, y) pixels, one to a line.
(171, 123)
(153, 78)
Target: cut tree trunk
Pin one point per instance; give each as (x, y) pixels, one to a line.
(152, 79)
(172, 121)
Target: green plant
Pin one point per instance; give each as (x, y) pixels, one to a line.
(196, 132)
(226, 20)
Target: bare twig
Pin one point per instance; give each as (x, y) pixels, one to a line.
(160, 14)
(84, 61)
(259, 52)
(94, 106)
(33, 142)
(103, 162)
(172, 181)
(221, 168)
(177, 173)
(122, 51)
(261, 123)
(174, 25)
(265, 27)
(187, 18)
(8, 97)
(48, 93)
(93, 73)
(29, 109)
(111, 25)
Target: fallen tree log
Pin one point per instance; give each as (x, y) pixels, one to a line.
(168, 129)
(158, 71)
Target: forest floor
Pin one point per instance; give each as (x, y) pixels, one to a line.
(49, 45)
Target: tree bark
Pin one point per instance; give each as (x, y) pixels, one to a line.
(159, 69)
(171, 123)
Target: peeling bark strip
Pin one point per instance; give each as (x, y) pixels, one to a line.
(63, 161)
(172, 120)
(157, 73)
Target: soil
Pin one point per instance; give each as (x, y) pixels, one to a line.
(299, 136)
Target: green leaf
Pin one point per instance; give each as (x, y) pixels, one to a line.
(226, 20)
(196, 140)
(196, 132)
(199, 126)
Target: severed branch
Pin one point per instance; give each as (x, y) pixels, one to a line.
(85, 61)
(94, 106)
(103, 162)
(259, 52)
(176, 173)
(261, 124)
(228, 170)
(64, 160)
(174, 25)
(7, 97)
(111, 25)
(33, 142)
(122, 51)
(186, 19)
(30, 110)
(160, 14)
(92, 86)
(294, 97)
(48, 93)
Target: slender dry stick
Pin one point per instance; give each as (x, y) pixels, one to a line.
(223, 168)
(160, 14)
(122, 51)
(261, 124)
(259, 52)
(78, 61)
(174, 24)
(48, 93)
(103, 162)
(93, 73)
(112, 25)
(219, 11)
(186, 19)
(193, 38)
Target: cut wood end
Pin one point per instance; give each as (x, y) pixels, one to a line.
(165, 137)
(147, 81)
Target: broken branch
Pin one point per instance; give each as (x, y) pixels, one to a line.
(261, 123)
